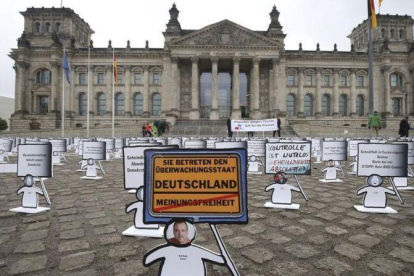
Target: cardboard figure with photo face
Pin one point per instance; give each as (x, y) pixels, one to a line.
(186, 186)
(282, 193)
(33, 161)
(179, 256)
(140, 228)
(376, 161)
(333, 151)
(331, 172)
(93, 152)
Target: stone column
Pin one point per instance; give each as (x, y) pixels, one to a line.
(318, 113)
(93, 102)
(108, 80)
(336, 93)
(235, 113)
(54, 87)
(19, 104)
(301, 105)
(387, 95)
(276, 99)
(195, 93)
(256, 87)
(71, 93)
(353, 92)
(403, 102)
(146, 94)
(214, 113)
(410, 91)
(128, 95)
(174, 82)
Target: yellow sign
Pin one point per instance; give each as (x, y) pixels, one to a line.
(204, 184)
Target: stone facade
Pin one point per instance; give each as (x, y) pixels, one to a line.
(221, 70)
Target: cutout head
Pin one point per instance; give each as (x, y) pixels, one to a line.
(331, 163)
(253, 158)
(374, 180)
(140, 194)
(90, 161)
(356, 157)
(180, 233)
(280, 178)
(29, 180)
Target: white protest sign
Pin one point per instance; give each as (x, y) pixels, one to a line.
(175, 141)
(5, 145)
(134, 164)
(59, 145)
(231, 145)
(388, 160)
(256, 148)
(334, 150)
(353, 146)
(254, 125)
(110, 143)
(410, 151)
(289, 157)
(35, 160)
(94, 150)
(195, 144)
(119, 143)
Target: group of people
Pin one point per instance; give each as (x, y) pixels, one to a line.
(374, 123)
(251, 133)
(161, 128)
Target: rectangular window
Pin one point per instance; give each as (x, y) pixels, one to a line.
(137, 78)
(344, 80)
(82, 78)
(120, 78)
(291, 80)
(156, 78)
(360, 81)
(101, 78)
(326, 81)
(394, 80)
(308, 80)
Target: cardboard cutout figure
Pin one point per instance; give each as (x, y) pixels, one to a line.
(330, 172)
(91, 168)
(179, 256)
(354, 165)
(56, 158)
(253, 165)
(2, 155)
(375, 196)
(140, 228)
(282, 193)
(30, 197)
(82, 163)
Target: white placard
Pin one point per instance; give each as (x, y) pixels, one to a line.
(175, 141)
(231, 145)
(6, 145)
(353, 146)
(254, 125)
(256, 148)
(119, 143)
(134, 164)
(410, 151)
(195, 144)
(94, 150)
(334, 150)
(389, 160)
(59, 145)
(35, 160)
(290, 158)
(110, 143)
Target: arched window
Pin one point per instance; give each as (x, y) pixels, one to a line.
(291, 105)
(326, 105)
(392, 33)
(343, 105)
(156, 104)
(308, 105)
(57, 27)
(401, 34)
(396, 80)
(101, 104)
(83, 103)
(382, 33)
(47, 27)
(119, 104)
(44, 76)
(37, 27)
(138, 104)
(360, 105)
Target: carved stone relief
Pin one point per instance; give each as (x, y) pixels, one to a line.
(185, 86)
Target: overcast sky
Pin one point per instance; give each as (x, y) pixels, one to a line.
(306, 21)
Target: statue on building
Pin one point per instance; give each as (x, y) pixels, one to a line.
(146, 44)
(385, 46)
(300, 46)
(110, 44)
(56, 40)
(128, 44)
(335, 48)
(91, 43)
(72, 42)
(317, 47)
(23, 41)
(352, 48)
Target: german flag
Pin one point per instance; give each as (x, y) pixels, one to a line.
(371, 14)
(115, 70)
(380, 2)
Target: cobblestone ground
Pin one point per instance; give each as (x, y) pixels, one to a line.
(81, 234)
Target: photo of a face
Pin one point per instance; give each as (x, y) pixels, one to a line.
(180, 233)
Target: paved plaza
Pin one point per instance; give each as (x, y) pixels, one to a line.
(81, 234)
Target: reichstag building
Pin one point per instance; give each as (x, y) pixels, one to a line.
(221, 70)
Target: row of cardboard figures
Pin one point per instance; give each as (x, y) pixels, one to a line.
(279, 157)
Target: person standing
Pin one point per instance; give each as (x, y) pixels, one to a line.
(229, 132)
(148, 130)
(278, 127)
(404, 127)
(375, 122)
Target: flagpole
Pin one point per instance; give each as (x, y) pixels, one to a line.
(63, 96)
(113, 93)
(87, 108)
(370, 57)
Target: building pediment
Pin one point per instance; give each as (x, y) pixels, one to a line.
(225, 33)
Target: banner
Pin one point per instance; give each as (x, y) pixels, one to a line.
(290, 158)
(35, 160)
(254, 125)
(389, 160)
(198, 185)
(334, 150)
